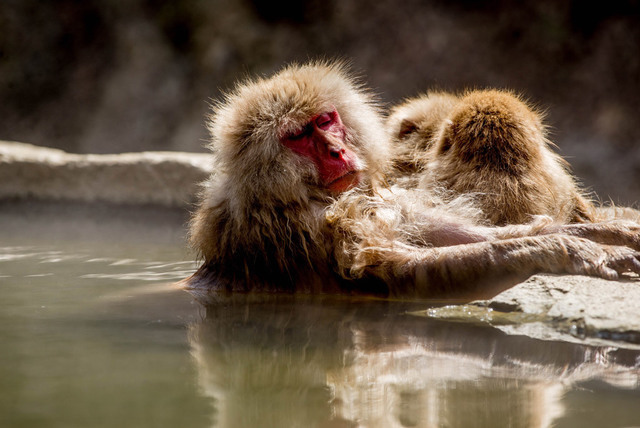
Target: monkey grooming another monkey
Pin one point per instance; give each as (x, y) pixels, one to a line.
(492, 145)
(298, 203)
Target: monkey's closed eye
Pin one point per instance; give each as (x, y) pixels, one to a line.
(325, 120)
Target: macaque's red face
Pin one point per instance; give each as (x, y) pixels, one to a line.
(322, 140)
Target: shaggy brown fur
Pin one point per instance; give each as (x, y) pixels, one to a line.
(413, 126)
(489, 144)
(267, 223)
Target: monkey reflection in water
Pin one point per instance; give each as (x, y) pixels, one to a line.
(305, 362)
(310, 195)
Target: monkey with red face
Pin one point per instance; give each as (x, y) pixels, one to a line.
(299, 203)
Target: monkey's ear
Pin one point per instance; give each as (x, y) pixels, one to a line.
(407, 127)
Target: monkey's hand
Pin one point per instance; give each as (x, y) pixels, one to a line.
(586, 257)
(615, 232)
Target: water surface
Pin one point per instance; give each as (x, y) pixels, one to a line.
(93, 334)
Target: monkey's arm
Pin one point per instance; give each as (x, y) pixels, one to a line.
(614, 232)
(484, 269)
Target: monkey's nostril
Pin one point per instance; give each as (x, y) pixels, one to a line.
(335, 154)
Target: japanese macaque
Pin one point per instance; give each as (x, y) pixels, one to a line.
(299, 203)
(488, 144)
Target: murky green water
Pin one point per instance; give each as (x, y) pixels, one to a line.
(92, 334)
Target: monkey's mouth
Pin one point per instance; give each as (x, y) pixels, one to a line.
(344, 182)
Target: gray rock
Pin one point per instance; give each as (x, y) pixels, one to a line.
(162, 178)
(569, 308)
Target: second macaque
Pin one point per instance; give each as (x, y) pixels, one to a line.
(490, 145)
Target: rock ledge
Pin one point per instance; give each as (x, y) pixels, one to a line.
(162, 178)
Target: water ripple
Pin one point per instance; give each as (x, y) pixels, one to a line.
(142, 276)
(112, 268)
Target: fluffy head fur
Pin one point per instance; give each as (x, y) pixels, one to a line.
(413, 126)
(262, 212)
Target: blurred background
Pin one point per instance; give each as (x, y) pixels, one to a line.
(111, 76)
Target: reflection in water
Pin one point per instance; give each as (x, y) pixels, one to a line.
(94, 336)
(341, 363)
